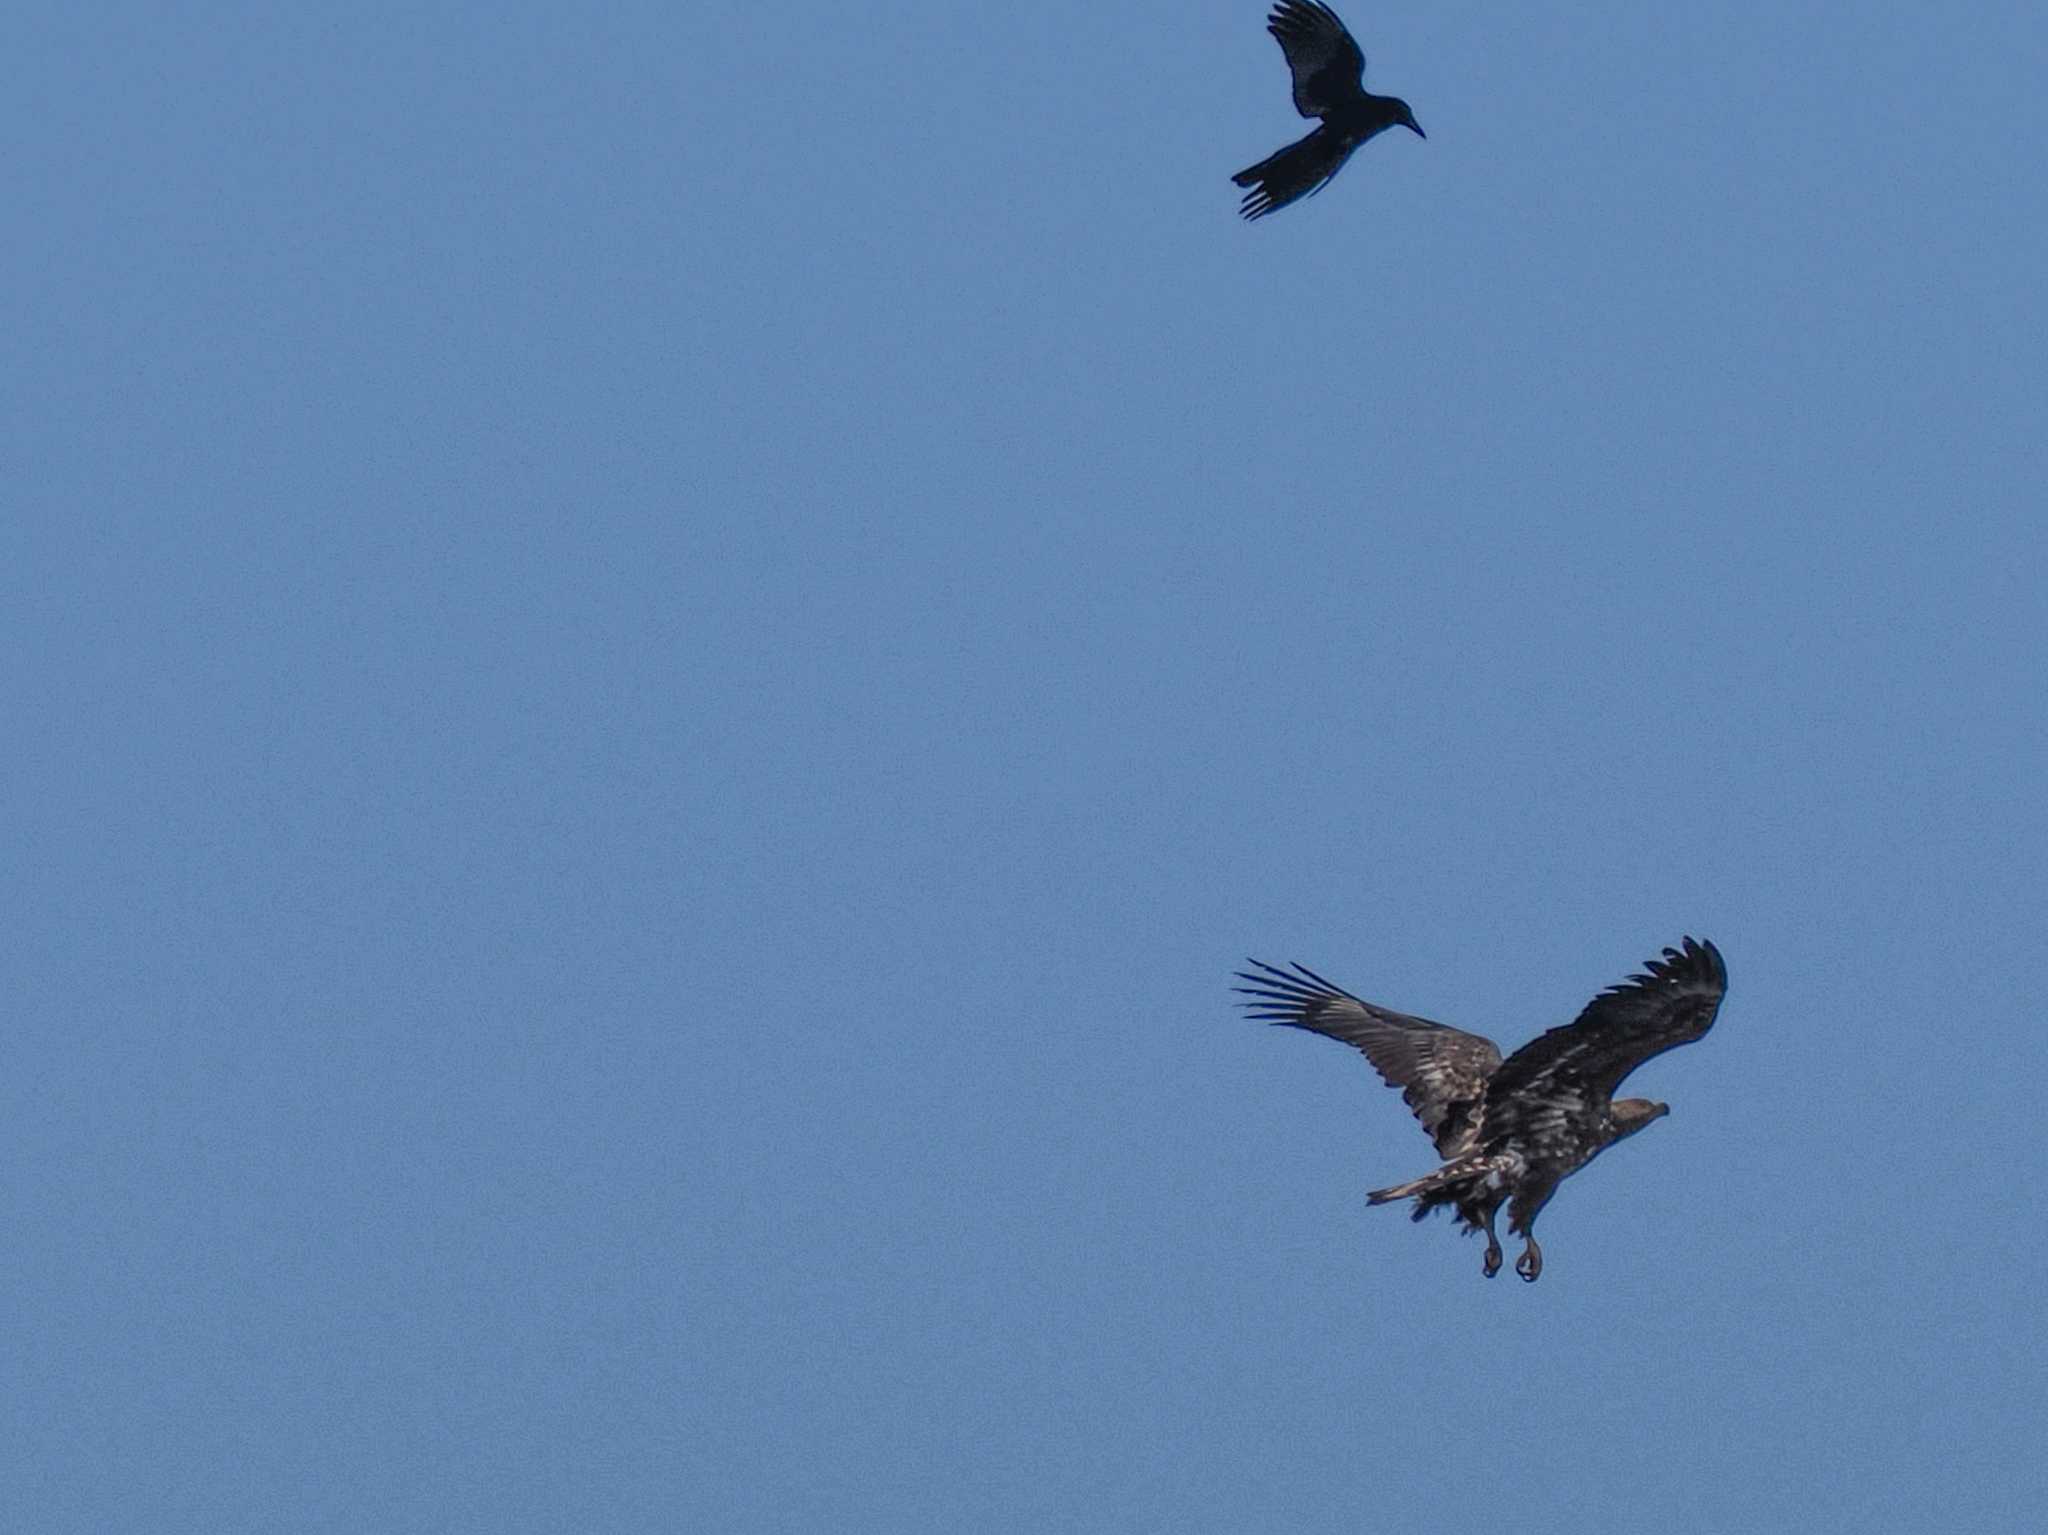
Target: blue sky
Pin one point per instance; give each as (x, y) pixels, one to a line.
(661, 658)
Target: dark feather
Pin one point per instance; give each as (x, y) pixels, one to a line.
(1328, 67)
(1673, 1003)
(1300, 170)
(1441, 1071)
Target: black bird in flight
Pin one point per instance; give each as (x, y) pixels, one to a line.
(1329, 82)
(1510, 1131)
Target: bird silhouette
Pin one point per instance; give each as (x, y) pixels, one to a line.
(1329, 82)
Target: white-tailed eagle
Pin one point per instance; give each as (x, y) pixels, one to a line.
(1510, 1131)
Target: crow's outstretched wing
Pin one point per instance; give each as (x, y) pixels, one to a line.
(1300, 170)
(1442, 1072)
(1672, 1004)
(1329, 69)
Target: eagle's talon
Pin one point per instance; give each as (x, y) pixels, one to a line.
(1493, 1257)
(1530, 1264)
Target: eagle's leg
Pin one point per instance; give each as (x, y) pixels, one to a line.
(1527, 1204)
(1493, 1254)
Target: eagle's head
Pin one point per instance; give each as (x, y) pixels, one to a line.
(1631, 1114)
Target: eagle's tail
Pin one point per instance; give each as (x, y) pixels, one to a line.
(1460, 1183)
(1421, 1188)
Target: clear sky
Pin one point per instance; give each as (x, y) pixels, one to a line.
(659, 657)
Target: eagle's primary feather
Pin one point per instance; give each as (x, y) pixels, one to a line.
(1442, 1072)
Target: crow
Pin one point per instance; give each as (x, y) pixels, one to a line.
(1329, 82)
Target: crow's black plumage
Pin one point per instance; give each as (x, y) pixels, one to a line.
(1329, 82)
(1510, 1130)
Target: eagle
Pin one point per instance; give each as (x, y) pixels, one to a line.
(1509, 1131)
(1329, 82)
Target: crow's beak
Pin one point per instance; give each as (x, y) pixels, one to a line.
(1418, 130)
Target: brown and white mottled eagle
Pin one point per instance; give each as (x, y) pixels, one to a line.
(1510, 1131)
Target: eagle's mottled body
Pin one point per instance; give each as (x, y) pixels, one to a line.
(1510, 1131)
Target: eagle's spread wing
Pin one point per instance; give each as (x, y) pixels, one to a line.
(1672, 1004)
(1328, 68)
(1442, 1072)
